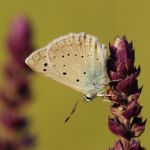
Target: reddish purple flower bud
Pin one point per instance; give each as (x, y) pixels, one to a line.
(133, 109)
(124, 49)
(137, 126)
(135, 96)
(7, 145)
(16, 88)
(19, 39)
(117, 127)
(137, 71)
(135, 145)
(12, 121)
(118, 146)
(125, 94)
(8, 101)
(116, 97)
(117, 110)
(113, 51)
(128, 85)
(114, 75)
(122, 57)
(26, 140)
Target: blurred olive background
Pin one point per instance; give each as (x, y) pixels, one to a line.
(52, 102)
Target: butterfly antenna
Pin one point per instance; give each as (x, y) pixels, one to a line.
(73, 110)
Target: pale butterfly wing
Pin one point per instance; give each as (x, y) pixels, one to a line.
(80, 60)
(38, 62)
(77, 60)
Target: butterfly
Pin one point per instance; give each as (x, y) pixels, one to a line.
(77, 60)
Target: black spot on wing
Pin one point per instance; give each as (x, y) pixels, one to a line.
(45, 64)
(77, 80)
(64, 73)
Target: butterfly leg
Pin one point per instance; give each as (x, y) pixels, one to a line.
(105, 96)
(73, 110)
(113, 81)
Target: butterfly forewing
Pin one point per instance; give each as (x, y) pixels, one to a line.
(77, 60)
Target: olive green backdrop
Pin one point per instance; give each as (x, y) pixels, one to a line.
(87, 129)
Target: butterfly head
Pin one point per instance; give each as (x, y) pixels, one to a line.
(89, 96)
